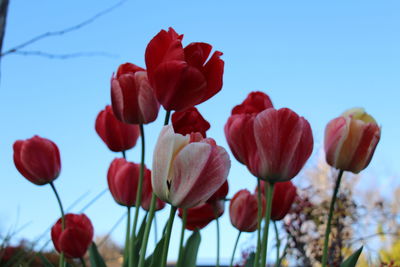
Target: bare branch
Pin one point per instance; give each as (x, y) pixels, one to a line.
(63, 31)
(3, 16)
(64, 56)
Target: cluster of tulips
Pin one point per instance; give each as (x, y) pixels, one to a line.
(189, 170)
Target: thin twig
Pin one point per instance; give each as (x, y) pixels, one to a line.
(64, 56)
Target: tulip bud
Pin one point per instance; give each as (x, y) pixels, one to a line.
(350, 140)
(37, 159)
(243, 211)
(189, 121)
(220, 194)
(200, 216)
(147, 193)
(181, 77)
(76, 238)
(118, 136)
(133, 99)
(187, 170)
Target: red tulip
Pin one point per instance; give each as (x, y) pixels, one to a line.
(220, 194)
(123, 179)
(239, 130)
(181, 77)
(76, 238)
(118, 136)
(350, 140)
(282, 200)
(37, 159)
(133, 99)
(147, 193)
(187, 170)
(200, 216)
(189, 121)
(243, 211)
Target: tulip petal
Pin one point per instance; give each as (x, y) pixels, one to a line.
(213, 71)
(336, 133)
(197, 53)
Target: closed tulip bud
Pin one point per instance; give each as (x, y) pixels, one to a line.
(189, 121)
(282, 200)
(133, 99)
(123, 180)
(76, 238)
(118, 136)
(243, 211)
(37, 159)
(284, 144)
(182, 77)
(187, 170)
(350, 140)
(200, 216)
(220, 194)
(147, 193)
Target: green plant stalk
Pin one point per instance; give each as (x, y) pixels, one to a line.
(259, 215)
(128, 234)
(155, 230)
(62, 259)
(278, 244)
(328, 226)
(132, 255)
(218, 239)
(180, 255)
(234, 248)
(269, 192)
(83, 262)
(168, 237)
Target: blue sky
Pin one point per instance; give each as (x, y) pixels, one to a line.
(315, 57)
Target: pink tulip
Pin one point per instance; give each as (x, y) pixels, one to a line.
(187, 170)
(351, 139)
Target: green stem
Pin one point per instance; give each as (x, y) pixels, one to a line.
(168, 237)
(259, 216)
(132, 255)
(234, 248)
(278, 244)
(328, 226)
(124, 154)
(128, 234)
(62, 259)
(143, 248)
(218, 237)
(155, 230)
(180, 255)
(83, 262)
(269, 191)
(167, 115)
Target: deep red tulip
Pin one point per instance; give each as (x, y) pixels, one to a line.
(189, 121)
(10, 253)
(239, 130)
(123, 180)
(243, 211)
(200, 216)
(181, 77)
(133, 99)
(187, 170)
(118, 136)
(284, 196)
(147, 192)
(76, 238)
(37, 159)
(350, 140)
(220, 194)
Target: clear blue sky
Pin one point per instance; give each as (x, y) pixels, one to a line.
(316, 57)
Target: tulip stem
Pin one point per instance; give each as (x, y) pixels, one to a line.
(180, 255)
(132, 258)
(218, 236)
(128, 234)
(328, 226)
(259, 216)
(143, 248)
(269, 192)
(155, 230)
(234, 248)
(62, 260)
(168, 236)
(167, 115)
(278, 244)
(83, 262)
(124, 154)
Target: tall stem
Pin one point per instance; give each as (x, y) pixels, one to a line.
(124, 154)
(269, 191)
(184, 218)
(234, 248)
(132, 258)
(278, 244)
(218, 237)
(328, 226)
(128, 234)
(155, 230)
(259, 216)
(167, 115)
(62, 259)
(83, 262)
(168, 236)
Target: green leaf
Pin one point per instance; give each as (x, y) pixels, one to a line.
(139, 237)
(189, 257)
(45, 261)
(250, 260)
(95, 259)
(352, 260)
(157, 254)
